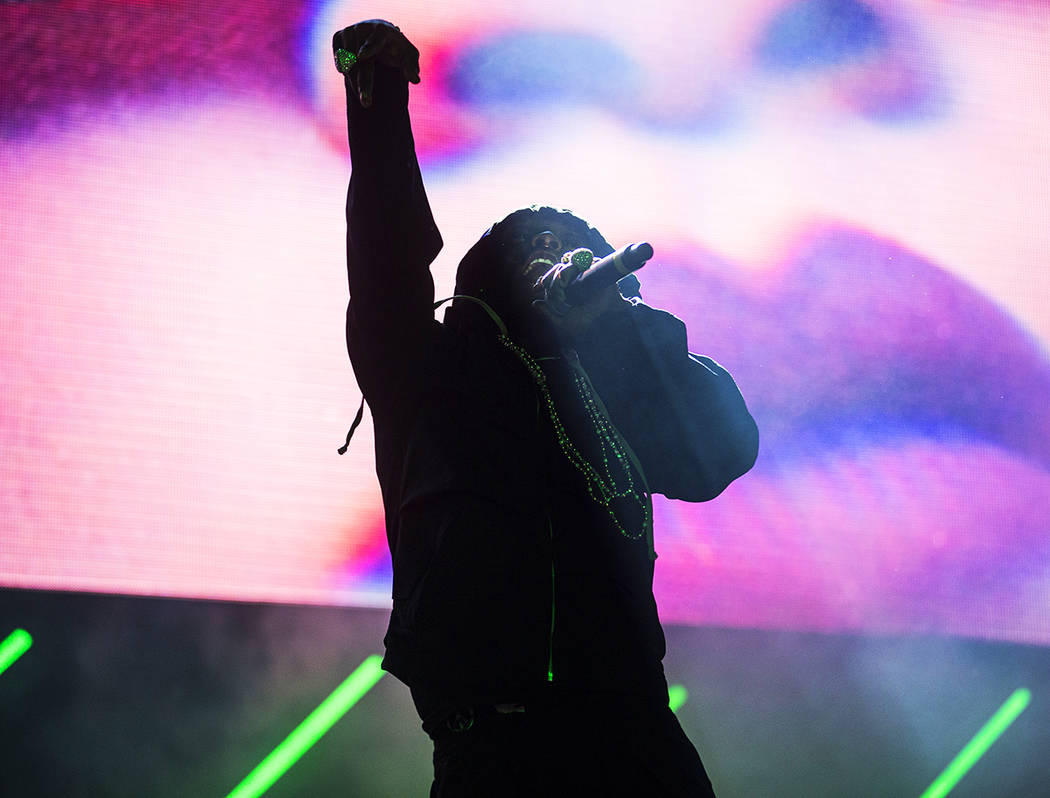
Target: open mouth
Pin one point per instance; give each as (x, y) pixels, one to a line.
(536, 265)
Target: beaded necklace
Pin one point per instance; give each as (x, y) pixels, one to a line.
(603, 490)
(602, 487)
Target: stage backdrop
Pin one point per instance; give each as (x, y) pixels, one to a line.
(848, 202)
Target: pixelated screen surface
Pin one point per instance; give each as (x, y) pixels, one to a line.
(848, 206)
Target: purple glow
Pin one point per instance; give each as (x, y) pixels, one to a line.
(860, 244)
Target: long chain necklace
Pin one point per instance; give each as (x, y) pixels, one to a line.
(602, 487)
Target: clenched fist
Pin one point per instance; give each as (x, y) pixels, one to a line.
(358, 48)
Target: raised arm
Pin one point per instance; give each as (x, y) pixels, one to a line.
(391, 235)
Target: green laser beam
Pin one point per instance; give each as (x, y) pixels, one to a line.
(677, 695)
(981, 742)
(317, 723)
(15, 645)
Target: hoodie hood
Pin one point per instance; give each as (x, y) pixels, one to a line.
(485, 271)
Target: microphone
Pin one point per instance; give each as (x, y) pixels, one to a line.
(607, 271)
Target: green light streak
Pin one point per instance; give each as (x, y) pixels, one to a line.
(981, 742)
(676, 696)
(311, 730)
(15, 645)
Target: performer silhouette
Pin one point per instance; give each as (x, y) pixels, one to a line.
(518, 443)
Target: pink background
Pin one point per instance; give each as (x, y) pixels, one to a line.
(848, 204)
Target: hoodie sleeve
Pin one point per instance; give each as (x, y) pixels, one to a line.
(681, 413)
(391, 240)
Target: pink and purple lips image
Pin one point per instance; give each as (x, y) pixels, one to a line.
(841, 220)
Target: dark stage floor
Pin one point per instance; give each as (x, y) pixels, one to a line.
(123, 696)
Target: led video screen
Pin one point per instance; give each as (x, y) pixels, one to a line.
(848, 204)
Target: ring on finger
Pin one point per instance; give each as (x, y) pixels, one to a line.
(345, 60)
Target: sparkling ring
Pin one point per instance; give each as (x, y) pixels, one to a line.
(582, 258)
(344, 60)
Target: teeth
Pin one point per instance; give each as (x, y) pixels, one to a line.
(538, 261)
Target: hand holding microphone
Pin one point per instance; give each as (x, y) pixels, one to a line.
(579, 279)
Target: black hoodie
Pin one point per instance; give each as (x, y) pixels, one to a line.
(511, 572)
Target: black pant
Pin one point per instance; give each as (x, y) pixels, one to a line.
(569, 748)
